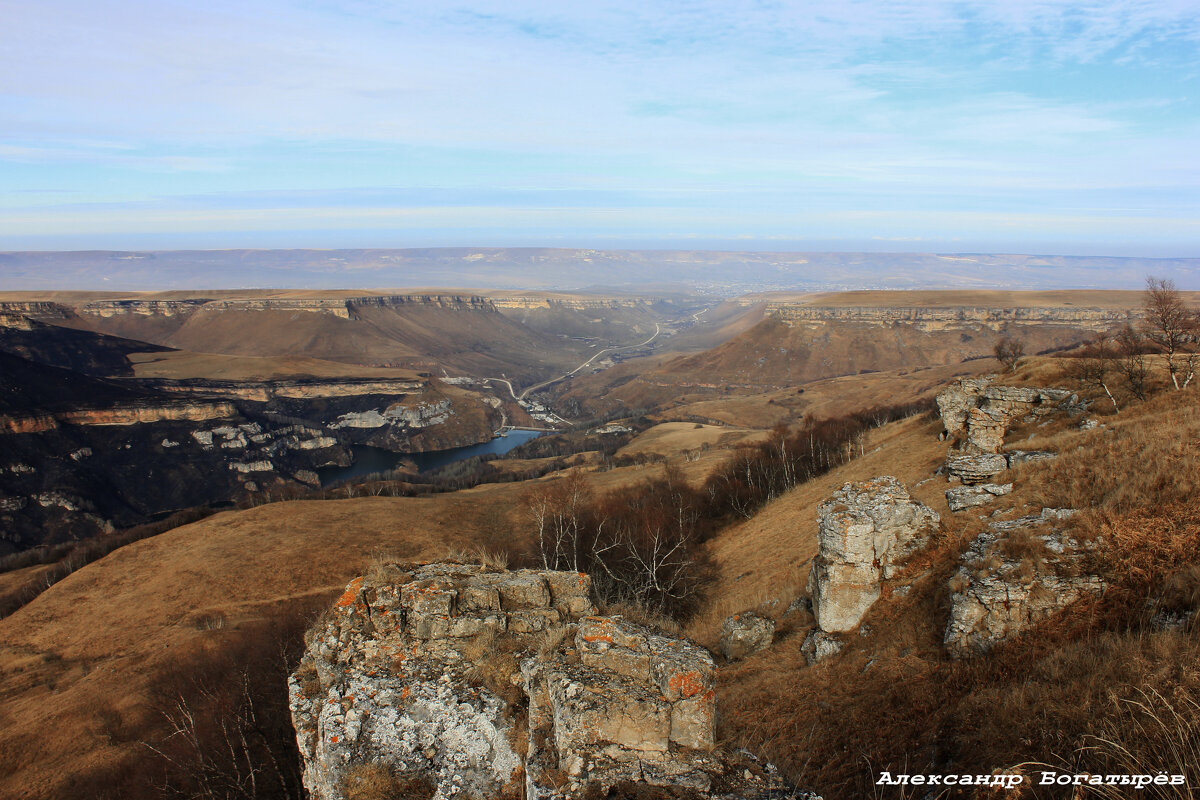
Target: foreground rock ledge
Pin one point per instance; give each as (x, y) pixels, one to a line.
(482, 683)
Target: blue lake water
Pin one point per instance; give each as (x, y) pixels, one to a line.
(371, 460)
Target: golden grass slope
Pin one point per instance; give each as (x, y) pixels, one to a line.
(96, 643)
(894, 701)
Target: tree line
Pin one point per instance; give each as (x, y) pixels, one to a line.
(644, 545)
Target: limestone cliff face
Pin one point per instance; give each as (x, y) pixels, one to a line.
(141, 308)
(37, 423)
(265, 391)
(573, 303)
(133, 415)
(119, 415)
(944, 319)
(498, 684)
(336, 306)
(15, 310)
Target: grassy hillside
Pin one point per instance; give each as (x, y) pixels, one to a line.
(1097, 688)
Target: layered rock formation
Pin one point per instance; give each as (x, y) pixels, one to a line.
(492, 684)
(979, 415)
(960, 498)
(930, 319)
(1012, 576)
(865, 532)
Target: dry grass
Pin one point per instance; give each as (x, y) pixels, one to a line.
(1149, 729)
(494, 560)
(376, 782)
(765, 560)
(494, 662)
(676, 439)
(645, 617)
(1076, 690)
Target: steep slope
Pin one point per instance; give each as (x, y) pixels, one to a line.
(461, 333)
(1105, 686)
(88, 667)
(78, 350)
(813, 337)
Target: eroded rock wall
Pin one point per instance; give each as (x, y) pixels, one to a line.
(496, 683)
(865, 530)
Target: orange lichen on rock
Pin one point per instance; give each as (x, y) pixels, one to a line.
(687, 683)
(351, 593)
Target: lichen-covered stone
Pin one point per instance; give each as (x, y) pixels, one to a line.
(864, 531)
(985, 430)
(960, 498)
(995, 596)
(956, 400)
(820, 645)
(972, 468)
(1018, 457)
(745, 634)
(422, 668)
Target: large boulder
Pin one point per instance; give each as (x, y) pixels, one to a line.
(865, 531)
(485, 683)
(971, 468)
(745, 634)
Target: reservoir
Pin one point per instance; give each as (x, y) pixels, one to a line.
(372, 460)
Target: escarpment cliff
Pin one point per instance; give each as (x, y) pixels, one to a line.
(958, 317)
(482, 683)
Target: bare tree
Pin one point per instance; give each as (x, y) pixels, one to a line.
(1008, 351)
(556, 510)
(1172, 327)
(1094, 367)
(1131, 361)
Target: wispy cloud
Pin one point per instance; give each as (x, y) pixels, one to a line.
(967, 104)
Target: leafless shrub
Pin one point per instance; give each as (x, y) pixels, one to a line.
(1009, 351)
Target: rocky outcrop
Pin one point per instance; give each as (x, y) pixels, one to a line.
(1013, 575)
(265, 391)
(134, 415)
(960, 498)
(1018, 457)
(983, 412)
(419, 415)
(493, 684)
(957, 400)
(865, 531)
(119, 415)
(745, 634)
(932, 319)
(343, 307)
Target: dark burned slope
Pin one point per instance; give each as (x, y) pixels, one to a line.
(82, 351)
(27, 388)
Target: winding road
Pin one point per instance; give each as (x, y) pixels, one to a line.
(544, 384)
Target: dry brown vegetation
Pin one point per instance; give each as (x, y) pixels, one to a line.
(91, 668)
(1098, 688)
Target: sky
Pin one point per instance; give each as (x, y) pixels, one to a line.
(1016, 126)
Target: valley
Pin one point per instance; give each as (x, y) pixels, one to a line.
(170, 523)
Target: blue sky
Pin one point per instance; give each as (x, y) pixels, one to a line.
(1023, 125)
